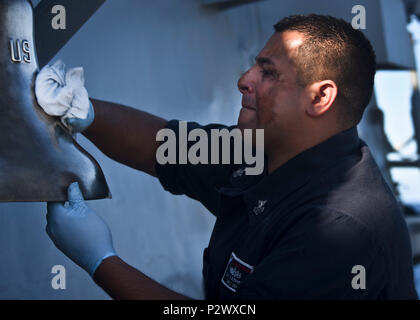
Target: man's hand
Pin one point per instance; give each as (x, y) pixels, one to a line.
(78, 232)
(86, 239)
(64, 95)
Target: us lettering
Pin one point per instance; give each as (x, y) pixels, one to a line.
(20, 51)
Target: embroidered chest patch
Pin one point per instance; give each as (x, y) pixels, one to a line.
(236, 271)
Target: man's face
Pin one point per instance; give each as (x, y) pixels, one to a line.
(271, 98)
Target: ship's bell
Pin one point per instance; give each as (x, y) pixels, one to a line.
(39, 158)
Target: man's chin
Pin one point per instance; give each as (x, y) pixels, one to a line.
(242, 125)
(247, 119)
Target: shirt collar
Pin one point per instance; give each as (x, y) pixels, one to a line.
(260, 193)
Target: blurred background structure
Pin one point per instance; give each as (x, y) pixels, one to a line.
(181, 59)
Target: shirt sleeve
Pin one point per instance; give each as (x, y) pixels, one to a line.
(198, 181)
(339, 261)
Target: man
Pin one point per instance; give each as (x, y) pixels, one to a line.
(319, 223)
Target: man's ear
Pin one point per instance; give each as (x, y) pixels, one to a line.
(323, 94)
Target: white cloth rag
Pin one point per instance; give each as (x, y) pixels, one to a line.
(62, 94)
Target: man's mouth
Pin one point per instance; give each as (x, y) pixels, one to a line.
(249, 108)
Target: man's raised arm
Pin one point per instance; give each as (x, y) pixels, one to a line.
(125, 134)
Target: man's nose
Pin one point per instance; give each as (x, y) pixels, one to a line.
(245, 84)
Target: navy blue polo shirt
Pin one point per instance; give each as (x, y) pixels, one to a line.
(324, 225)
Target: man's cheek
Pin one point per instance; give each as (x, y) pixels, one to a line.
(264, 110)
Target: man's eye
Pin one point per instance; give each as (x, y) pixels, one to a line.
(267, 73)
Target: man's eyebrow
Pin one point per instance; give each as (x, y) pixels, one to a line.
(264, 60)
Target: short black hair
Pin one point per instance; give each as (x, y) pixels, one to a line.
(334, 50)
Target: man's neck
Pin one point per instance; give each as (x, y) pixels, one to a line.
(281, 153)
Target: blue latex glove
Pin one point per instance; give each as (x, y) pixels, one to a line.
(78, 232)
(77, 125)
